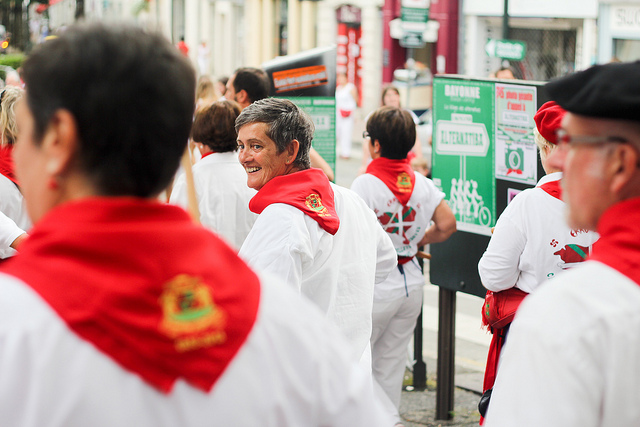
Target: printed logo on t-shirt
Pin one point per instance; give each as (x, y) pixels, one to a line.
(390, 222)
(190, 317)
(571, 255)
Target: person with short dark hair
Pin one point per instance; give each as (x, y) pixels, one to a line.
(119, 310)
(219, 179)
(247, 85)
(406, 204)
(318, 237)
(572, 357)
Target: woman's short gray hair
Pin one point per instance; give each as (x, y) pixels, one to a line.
(285, 122)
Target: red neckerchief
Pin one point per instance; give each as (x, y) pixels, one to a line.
(552, 188)
(143, 284)
(397, 175)
(308, 190)
(619, 243)
(6, 164)
(206, 154)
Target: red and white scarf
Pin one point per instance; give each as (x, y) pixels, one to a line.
(143, 284)
(307, 190)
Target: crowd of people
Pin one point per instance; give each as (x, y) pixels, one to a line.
(249, 289)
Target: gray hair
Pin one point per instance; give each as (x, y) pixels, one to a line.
(285, 122)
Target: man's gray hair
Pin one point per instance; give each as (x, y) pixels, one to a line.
(285, 122)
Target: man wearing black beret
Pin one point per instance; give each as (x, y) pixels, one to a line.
(575, 359)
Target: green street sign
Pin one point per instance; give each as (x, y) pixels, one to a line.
(513, 50)
(414, 14)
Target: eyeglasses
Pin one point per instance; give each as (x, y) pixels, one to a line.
(574, 140)
(365, 135)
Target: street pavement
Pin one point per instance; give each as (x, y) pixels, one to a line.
(417, 408)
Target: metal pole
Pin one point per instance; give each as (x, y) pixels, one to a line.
(446, 353)
(505, 20)
(419, 367)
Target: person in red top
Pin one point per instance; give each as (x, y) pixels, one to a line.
(182, 47)
(119, 310)
(573, 353)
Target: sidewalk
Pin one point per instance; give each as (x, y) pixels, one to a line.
(418, 408)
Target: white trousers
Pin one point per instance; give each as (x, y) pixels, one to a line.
(393, 326)
(344, 133)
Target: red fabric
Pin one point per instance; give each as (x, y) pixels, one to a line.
(308, 190)
(206, 154)
(6, 164)
(397, 175)
(548, 119)
(553, 188)
(498, 311)
(161, 296)
(182, 47)
(619, 243)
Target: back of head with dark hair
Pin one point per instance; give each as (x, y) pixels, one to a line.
(131, 94)
(395, 131)
(214, 126)
(254, 81)
(285, 122)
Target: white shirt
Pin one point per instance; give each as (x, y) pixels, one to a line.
(526, 247)
(12, 205)
(223, 196)
(336, 272)
(406, 228)
(287, 373)
(572, 357)
(344, 98)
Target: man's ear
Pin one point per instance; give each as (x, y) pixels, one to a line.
(624, 164)
(292, 151)
(60, 142)
(242, 97)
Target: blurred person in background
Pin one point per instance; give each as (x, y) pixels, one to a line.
(12, 204)
(220, 181)
(346, 104)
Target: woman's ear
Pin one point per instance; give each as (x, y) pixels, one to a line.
(60, 142)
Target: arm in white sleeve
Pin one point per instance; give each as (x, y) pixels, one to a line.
(499, 266)
(279, 244)
(9, 232)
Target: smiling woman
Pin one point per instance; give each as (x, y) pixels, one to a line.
(320, 238)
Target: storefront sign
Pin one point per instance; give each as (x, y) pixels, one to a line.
(625, 18)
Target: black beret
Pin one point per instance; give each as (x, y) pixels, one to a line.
(610, 91)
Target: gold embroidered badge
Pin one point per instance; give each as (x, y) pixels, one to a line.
(404, 183)
(314, 203)
(190, 316)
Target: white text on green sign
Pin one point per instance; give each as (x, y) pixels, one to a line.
(507, 49)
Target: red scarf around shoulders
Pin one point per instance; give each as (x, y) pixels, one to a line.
(6, 163)
(619, 243)
(161, 296)
(308, 190)
(397, 175)
(552, 188)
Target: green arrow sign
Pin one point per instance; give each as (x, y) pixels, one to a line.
(513, 50)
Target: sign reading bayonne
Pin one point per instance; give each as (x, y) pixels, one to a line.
(513, 50)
